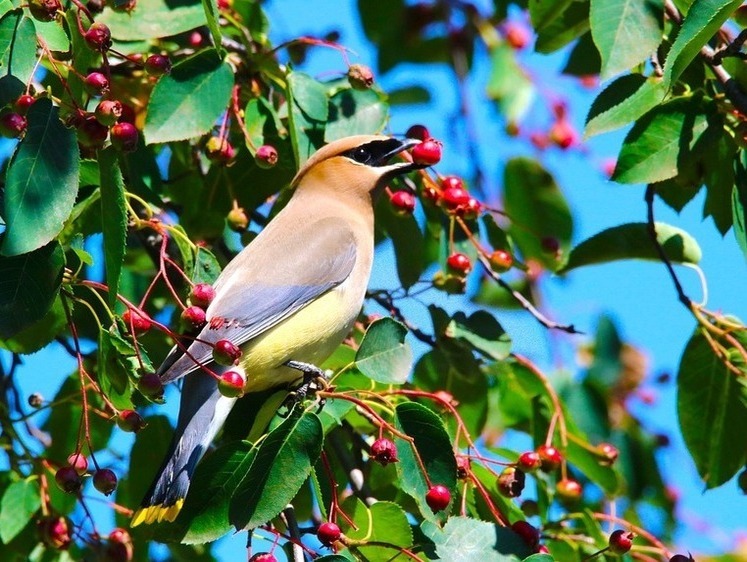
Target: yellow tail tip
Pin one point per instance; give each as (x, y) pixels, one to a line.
(156, 513)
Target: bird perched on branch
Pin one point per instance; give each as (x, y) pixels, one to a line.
(287, 301)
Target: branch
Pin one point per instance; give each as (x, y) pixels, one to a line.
(385, 300)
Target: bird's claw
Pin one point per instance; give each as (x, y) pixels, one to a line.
(314, 380)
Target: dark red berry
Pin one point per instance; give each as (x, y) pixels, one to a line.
(568, 490)
(237, 219)
(22, 104)
(150, 386)
(96, 84)
(134, 320)
(681, 558)
(403, 202)
(511, 482)
(68, 479)
(470, 210)
(459, 264)
(226, 353)
(463, 466)
(108, 112)
(530, 508)
(95, 6)
(119, 547)
(418, 132)
(193, 317)
(620, 541)
(219, 150)
(501, 261)
(427, 152)
(54, 531)
(529, 461)
(438, 498)
(98, 37)
(328, 533)
(516, 35)
(44, 10)
(202, 294)
(12, 124)
(130, 421)
(128, 114)
(79, 462)
(231, 384)
(383, 451)
(105, 481)
(91, 133)
(263, 557)
(157, 65)
(454, 197)
(551, 457)
(527, 532)
(360, 77)
(608, 453)
(125, 137)
(266, 156)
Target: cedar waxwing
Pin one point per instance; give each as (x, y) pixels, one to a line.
(290, 297)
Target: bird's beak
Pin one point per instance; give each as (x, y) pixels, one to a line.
(397, 168)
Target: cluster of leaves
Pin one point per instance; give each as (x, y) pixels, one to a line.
(165, 210)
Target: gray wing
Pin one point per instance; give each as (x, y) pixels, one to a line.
(271, 279)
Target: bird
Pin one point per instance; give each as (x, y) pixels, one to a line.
(288, 299)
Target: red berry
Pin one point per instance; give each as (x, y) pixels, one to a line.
(511, 482)
(427, 152)
(516, 35)
(125, 137)
(454, 197)
(91, 133)
(266, 156)
(463, 466)
(383, 451)
(360, 77)
(96, 84)
(608, 452)
(68, 479)
(119, 547)
(194, 317)
(105, 481)
(195, 39)
(237, 219)
(226, 353)
(202, 294)
(551, 457)
(44, 10)
(128, 114)
(568, 490)
(134, 320)
(219, 150)
(501, 261)
(130, 421)
(22, 104)
(452, 182)
(54, 532)
(620, 541)
(539, 140)
(79, 462)
(150, 386)
(98, 37)
(470, 210)
(438, 498)
(459, 264)
(231, 384)
(608, 167)
(108, 112)
(95, 6)
(562, 134)
(263, 557)
(157, 65)
(527, 532)
(12, 125)
(418, 132)
(328, 533)
(403, 202)
(529, 461)
(542, 549)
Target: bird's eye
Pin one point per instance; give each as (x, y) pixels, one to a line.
(361, 155)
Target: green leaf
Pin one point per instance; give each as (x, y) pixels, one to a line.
(711, 414)
(307, 114)
(463, 538)
(661, 142)
(703, 20)
(212, 15)
(719, 181)
(531, 193)
(384, 522)
(569, 24)
(544, 12)
(113, 219)
(482, 332)
(270, 485)
(154, 19)
(632, 241)
(356, 112)
(739, 206)
(38, 334)
(310, 96)
(53, 34)
(584, 59)
(407, 239)
(20, 501)
(206, 267)
(434, 448)
(384, 355)
(509, 84)
(623, 101)
(187, 102)
(17, 46)
(29, 284)
(626, 32)
(113, 371)
(41, 181)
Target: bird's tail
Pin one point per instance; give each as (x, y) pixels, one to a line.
(202, 412)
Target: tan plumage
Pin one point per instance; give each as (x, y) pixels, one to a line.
(291, 295)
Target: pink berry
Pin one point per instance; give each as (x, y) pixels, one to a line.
(108, 112)
(194, 317)
(12, 125)
(220, 151)
(266, 156)
(79, 462)
(91, 133)
(568, 490)
(516, 35)
(608, 452)
(383, 451)
(157, 65)
(54, 532)
(231, 384)
(202, 294)
(463, 466)
(96, 84)
(124, 137)
(403, 202)
(226, 353)
(134, 320)
(563, 134)
(105, 481)
(98, 37)
(529, 461)
(360, 77)
(438, 498)
(328, 533)
(427, 152)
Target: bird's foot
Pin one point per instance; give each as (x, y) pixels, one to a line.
(314, 379)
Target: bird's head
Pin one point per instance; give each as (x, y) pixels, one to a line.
(359, 164)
